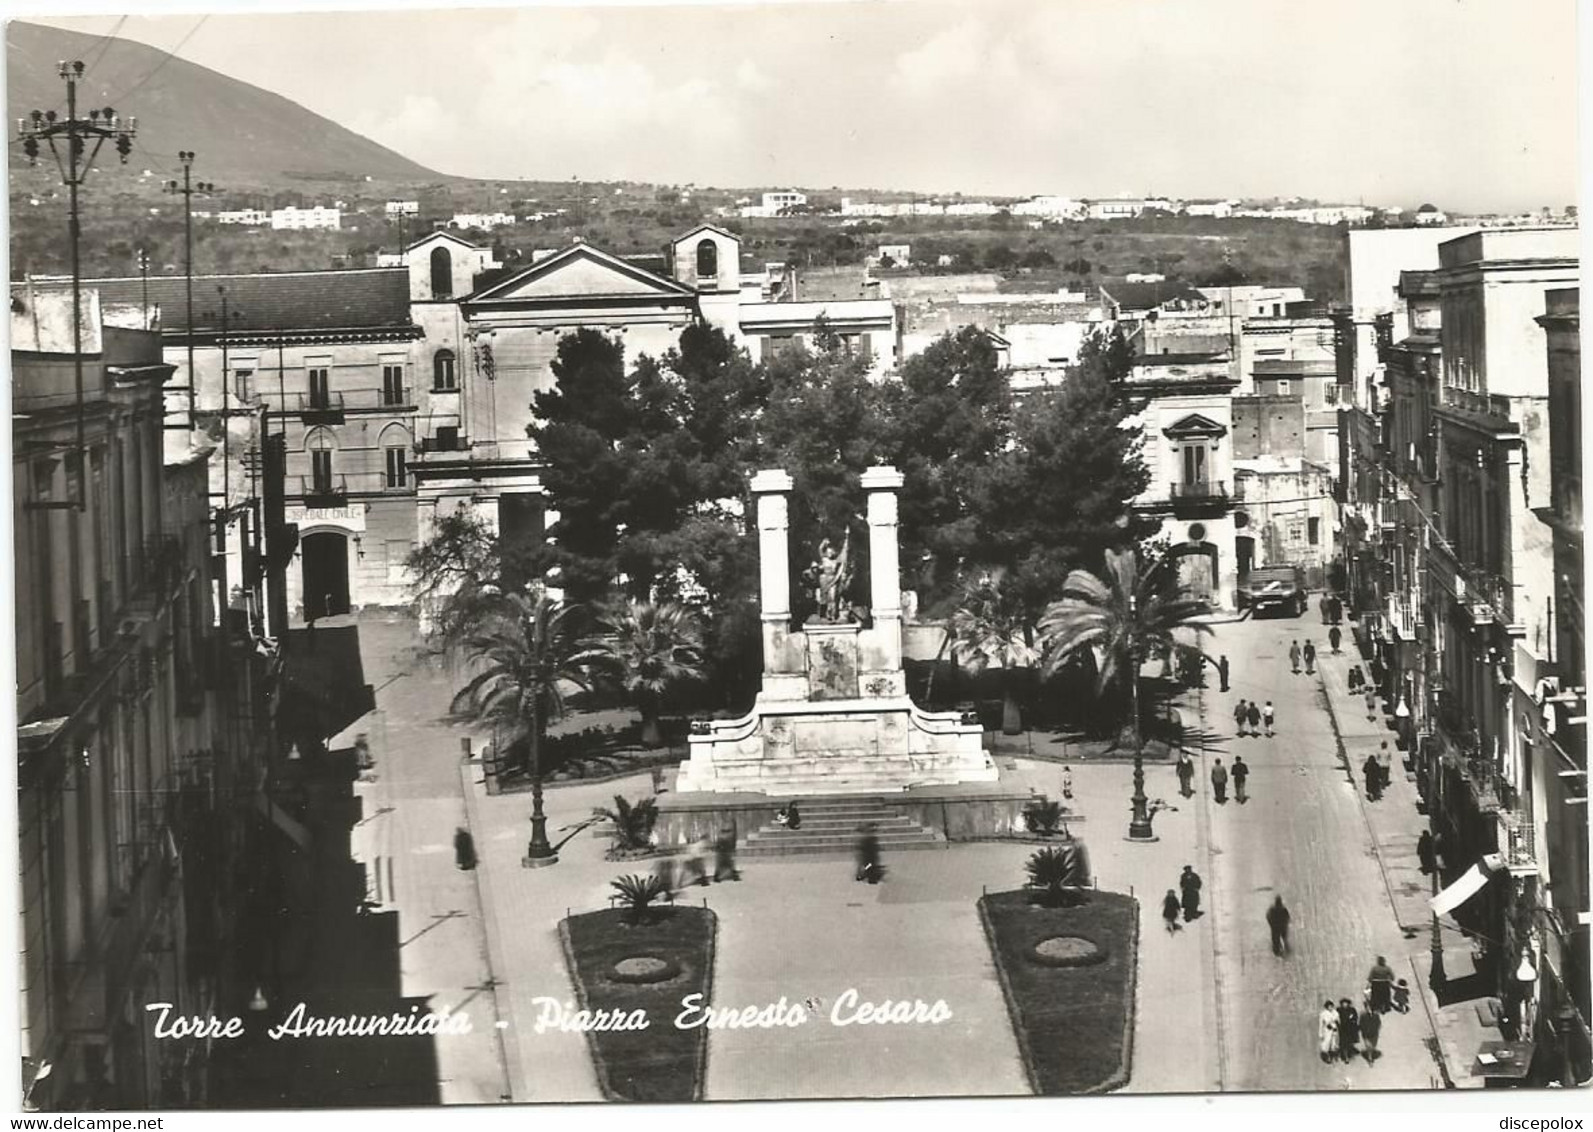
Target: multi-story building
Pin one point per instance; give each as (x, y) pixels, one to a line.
(481, 220)
(144, 718)
(335, 363)
(1051, 208)
(251, 216)
(317, 216)
(402, 208)
(1212, 209)
(1553, 715)
(1458, 589)
(1182, 408)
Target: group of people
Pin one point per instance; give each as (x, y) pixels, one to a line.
(1249, 714)
(1331, 607)
(1377, 770)
(1219, 780)
(1308, 654)
(694, 865)
(1341, 1028)
(1185, 899)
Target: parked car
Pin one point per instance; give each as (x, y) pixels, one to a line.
(1274, 587)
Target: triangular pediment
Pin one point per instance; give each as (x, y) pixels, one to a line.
(581, 272)
(1195, 424)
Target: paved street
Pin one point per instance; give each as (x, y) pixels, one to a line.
(1216, 1010)
(410, 807)
(1303, 835)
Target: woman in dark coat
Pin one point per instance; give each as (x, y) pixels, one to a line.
(1349, 1029)
(1170, 910)
(1425, 852)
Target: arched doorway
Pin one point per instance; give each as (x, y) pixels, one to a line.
(325, 561)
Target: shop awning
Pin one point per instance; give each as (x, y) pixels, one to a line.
(1471, 882)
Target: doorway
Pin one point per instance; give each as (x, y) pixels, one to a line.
(325, 559)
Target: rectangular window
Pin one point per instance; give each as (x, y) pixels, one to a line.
(1283, 389)
(242, 384)
(320, 388)
(397, 467)
(1314, 531)
(1195, 465)
(393, 385)
(321, 470)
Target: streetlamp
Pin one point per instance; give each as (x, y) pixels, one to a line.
(186, 190)
(1139, 825)
(75, 165)
(1436, 976)
(1526, 979)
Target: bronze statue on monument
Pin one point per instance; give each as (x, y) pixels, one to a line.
(832, 577)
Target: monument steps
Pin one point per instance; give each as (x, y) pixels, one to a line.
(832, 827)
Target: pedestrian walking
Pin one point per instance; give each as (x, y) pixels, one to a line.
(1294, 655)
(1219, 781)
(725, 855)
(1309, 653)
(1322, 604)
(1335, 609)
(1425, 853)
(1371, 1028)
(1267, 716)
(1371, 704)
(1186, 774)
(1327, 1032)
(1385, 766)
(1278, 924)
(1222, 671)
(1067, 782)
(464, 849)
(1349, 1029)
(1241, 713)
(1240, 772)
(868, 864)
(1355, 679)
(694, 868)
(1380, 980)
(1402, 996)
(1253, 713)
(1189, 884)
(1334, 637)
(1373, 771)
(1170, 911)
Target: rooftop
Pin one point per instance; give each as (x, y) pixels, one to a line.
(289, 300)
(1149, 296)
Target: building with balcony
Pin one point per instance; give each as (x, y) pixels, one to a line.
(336, 364)
(1182, 407)
(144, 718)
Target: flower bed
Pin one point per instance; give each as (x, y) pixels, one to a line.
(651, 966)
(1072, 1010)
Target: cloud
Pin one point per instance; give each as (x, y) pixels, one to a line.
(418, 123)
(956, 54)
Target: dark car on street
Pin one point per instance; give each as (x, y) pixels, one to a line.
(1274, 587)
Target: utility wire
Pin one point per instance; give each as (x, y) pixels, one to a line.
(167, 58)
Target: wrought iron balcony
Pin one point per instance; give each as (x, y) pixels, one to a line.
(321, 408)
(324, 491)
(1404, 616)
(1518, 841)
(1199, 491)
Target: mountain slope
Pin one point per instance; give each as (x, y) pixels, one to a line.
(242, 134)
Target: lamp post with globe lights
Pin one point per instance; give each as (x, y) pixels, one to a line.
(75, 163)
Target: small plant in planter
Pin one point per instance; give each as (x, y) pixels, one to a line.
(1059, 875)
(639, 892)
(1043, 817)
(633, 823)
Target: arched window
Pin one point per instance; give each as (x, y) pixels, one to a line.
(442, 372)
(707, 260)
(395, 443)
(442, 273)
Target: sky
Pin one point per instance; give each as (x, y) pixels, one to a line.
(1464, 103)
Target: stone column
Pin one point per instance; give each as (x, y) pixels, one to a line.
(885, 575)
(771, 488)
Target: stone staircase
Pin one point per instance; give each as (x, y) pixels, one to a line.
(830, 825)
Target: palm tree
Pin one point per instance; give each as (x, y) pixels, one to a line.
(648, 649)
(528, 649)
(1123, 618)
(990, 627)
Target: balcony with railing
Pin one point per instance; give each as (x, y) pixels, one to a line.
(1485, 596)
(1404, 617)
(1518, 841)
(446, 440)
(1476, 402)
(323, 491)
(1190, 496)
(321, 408)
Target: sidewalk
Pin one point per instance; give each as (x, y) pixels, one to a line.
(1395, 824)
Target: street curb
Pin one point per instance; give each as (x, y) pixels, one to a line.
(1203, 832)
(1437, 1048)
(508, 1040)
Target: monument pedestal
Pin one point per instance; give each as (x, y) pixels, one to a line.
(834, 716)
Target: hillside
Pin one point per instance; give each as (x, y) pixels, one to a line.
(243, 134)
